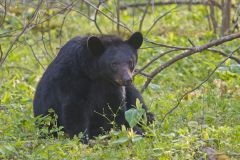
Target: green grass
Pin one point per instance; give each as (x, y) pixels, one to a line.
(208, 117)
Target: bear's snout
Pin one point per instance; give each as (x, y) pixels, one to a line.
(127, 79)
(124, 77)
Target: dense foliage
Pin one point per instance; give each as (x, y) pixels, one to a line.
(207, 117)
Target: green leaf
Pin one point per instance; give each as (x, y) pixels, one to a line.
(120, 140)
(235, 68)
(137, 138)
(133, 116)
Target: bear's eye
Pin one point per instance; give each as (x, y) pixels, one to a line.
(131, 64)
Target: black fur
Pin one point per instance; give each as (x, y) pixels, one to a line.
(84, 85)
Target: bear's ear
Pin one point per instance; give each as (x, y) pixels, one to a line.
(95, 45)
(136, 40)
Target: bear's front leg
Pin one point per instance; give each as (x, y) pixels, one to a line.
(132, 94)
(75, 120)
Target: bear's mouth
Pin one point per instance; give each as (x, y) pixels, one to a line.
(113, 82)
(122, 83)
(116, 82)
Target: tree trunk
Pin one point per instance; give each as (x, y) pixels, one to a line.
(226, 17)
(212, 16)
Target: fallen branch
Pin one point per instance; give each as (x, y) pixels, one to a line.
(180, 2)
(198, 86)
(189, 53)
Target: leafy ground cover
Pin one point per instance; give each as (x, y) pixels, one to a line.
(207, 117)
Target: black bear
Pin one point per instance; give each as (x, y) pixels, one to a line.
(89, 84)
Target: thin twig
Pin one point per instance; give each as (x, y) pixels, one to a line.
(107, 16)
(160, 17)
(144, 14)
(86, 16)
(165, 45)
(35, 56)
(224, 54)
(95, 18)
(153, 60)
(198, 86)
(191, 42)
(136, 71)
(45, 47)
(62, 24)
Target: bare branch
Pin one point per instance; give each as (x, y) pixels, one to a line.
(31, 25)
(198, 86)
(22, 32)
(189, 53)
(141, 73)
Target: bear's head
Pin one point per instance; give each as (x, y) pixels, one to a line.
(116, 60)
